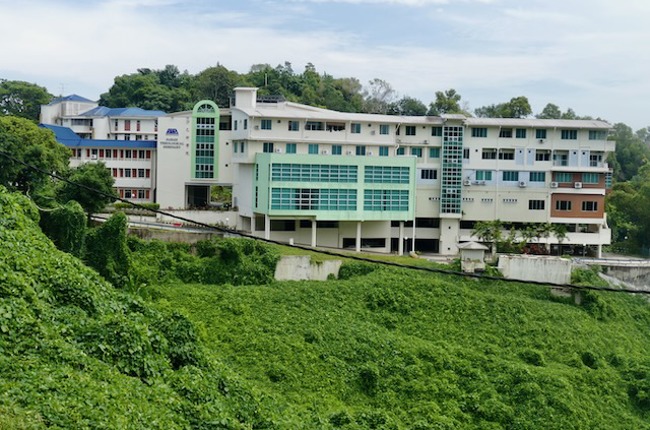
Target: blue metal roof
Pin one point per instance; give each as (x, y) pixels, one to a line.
(101, 111)
(71, 98)
(70, 139)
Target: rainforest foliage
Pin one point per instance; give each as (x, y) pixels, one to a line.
(379, 348)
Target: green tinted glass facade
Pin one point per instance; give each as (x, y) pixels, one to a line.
(205, 140)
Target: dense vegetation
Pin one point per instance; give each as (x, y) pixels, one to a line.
(380, 348)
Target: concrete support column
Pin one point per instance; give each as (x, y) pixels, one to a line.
(599, 254)
(313, 233)
(267, 227)
(400, 242)
(358, 241)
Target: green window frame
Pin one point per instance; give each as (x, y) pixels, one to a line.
(400, 151)
(434, 152)
(360, 150)
(384, 129)
(563, 177)
(383, 151)
(417, 152)
(483, 175)
(337, 150)
(290, 148)
(355, 128)
(479, 132)
(590, 178)
(540, 133)
(520, 133)
(294, 125)
(510, 176)
(266, 124)
(537, 177)
(569, 134)
(312, 148)
(436, 131)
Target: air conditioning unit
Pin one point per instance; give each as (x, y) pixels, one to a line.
(522, 184)
(467, 182)
(554, 184)
(325, 152)
(369, 153)
(93, 157)
(373, 132)
(348, 152)
(278, 150)
(577, 185)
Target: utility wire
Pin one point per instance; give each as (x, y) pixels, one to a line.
(323, 251)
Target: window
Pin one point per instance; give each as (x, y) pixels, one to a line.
(590, 178)
(563, 205)
(564, 177)
(429, 174)
(597, 135)
(314, 125)
(589, 206)
(337, 149)
(241, 147)
(137, 125)
(542, 155)
(479, 132)
(294, 125)
(267, 147)
(127, 153)
(355, 128)
(595, 160)
(234, 123)
(505, 132)
(436, 131)
(434, 152)
(384, 129)
(489, 154)
(569, 134)
(127, 125)
(360, 150)
(383, 151)
(141, 154)
(334, 126)
(466, 154)
(246, 124)
(537, 176)
(520, 133)
(536, 205)
(410, 130)
(312, 148)
(540, 133)
(510, 175)
(140, 173)
(115, 125)
(400, 151)
(417, 152)
(127, 173)
(267, 124)
(483, 175)
(506, 154)
(291, 148)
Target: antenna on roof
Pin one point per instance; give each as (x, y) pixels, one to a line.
(62, 88)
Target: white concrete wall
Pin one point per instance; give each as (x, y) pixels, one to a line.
(536, 268)
(174, 161)
(300, 268)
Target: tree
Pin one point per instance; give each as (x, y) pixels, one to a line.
(66, 227)
(517, 107)
(378, 96)
(408, 106)
(167, 90)
(446, 102)
(91, 176)
(22, 99)
(550, 111)
(25, 142)
(489, 231)
(107, 251)
(215, 83)
(631, 152)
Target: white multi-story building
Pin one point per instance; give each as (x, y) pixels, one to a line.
(123, 138)
(347, 180)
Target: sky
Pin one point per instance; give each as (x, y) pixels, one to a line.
(588, 55)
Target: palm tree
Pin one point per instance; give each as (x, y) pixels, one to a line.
(489, 231)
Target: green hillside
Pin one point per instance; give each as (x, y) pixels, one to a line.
(381, 348)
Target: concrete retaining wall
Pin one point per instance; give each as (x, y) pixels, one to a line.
(300, 268)
(536, 268)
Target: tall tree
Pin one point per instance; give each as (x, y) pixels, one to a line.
(630, 154)
(408, 106)
(24, 141)
(550, 111)
(517, 107)
(215, 83)
(446, 102)
(378, 96)
(22, 99)
(91, 176)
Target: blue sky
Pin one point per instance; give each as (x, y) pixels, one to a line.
(591, 56)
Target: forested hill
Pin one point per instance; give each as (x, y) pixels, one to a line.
(378, 349)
